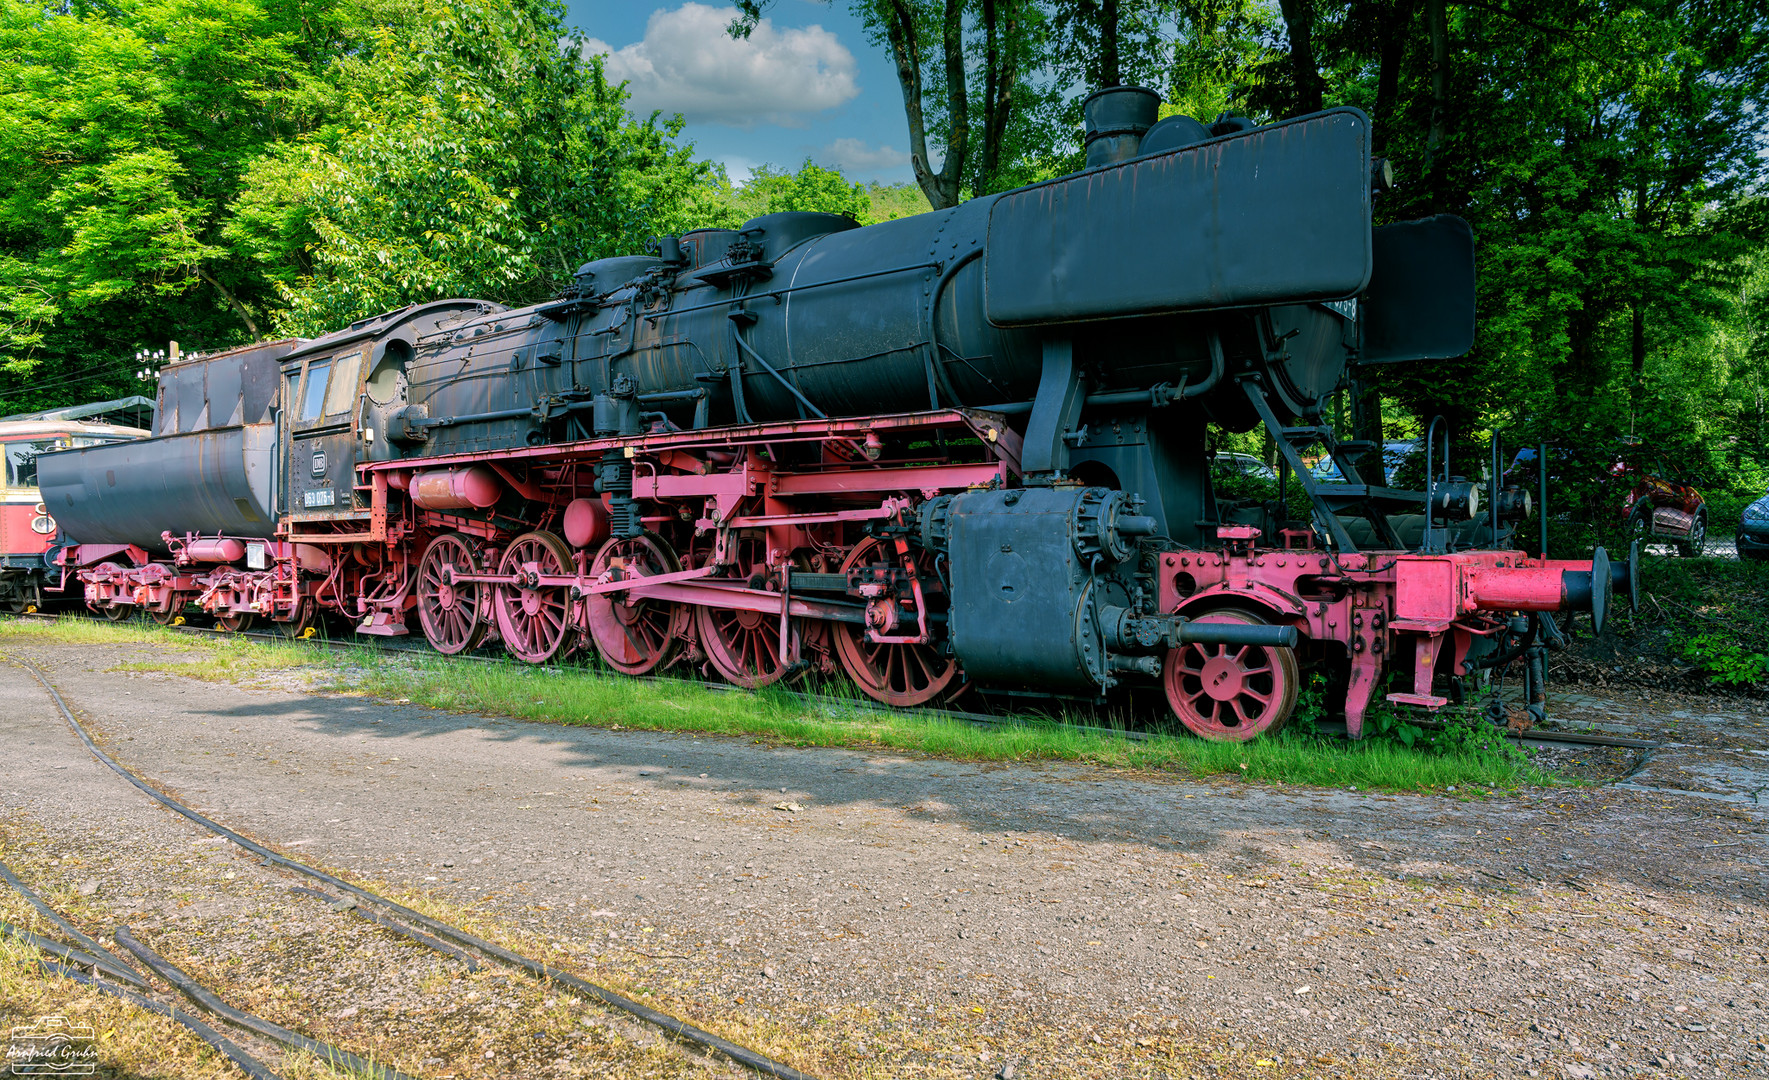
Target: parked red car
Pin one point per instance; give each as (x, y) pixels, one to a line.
(1657, 505)
(1662, 508)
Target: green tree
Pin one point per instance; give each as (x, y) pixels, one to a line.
(478, 158)
(121, 145)
(771, 190)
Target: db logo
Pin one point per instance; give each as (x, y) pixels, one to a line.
(53, 1046)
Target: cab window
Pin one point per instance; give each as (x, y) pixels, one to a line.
(313, 395)
(345, 371)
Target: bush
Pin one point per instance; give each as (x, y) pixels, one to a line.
(1724, 660)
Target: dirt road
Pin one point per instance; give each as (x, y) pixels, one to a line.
(900, 916)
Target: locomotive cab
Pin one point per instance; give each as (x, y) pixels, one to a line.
(322, 433)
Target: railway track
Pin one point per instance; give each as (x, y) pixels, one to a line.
(113, 975)
(1536, 737)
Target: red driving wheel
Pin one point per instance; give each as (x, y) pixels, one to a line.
(744, 646)
(450, 610)
(901, 675)
(635, 636)
(533, 618)
(1231, 692)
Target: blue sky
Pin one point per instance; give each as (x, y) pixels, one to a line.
(807, 83)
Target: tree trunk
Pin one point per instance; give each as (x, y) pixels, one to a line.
(1440, 62)
(1108, 45)
(899, 26)
(1639, 313)
(1392, 18)
(1368, 423)
(1299, 23)
(1642, 222)
(951, 175)
(238, 308)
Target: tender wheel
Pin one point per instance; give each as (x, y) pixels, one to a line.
(117, 612)
(13, 603)
(902, 675)
(450, 611)
(635, 636)
(304, 618)
(745, 645)
(532, 619)
(1696, 544)
(170, 615)
(1231, 692)
(234, 624)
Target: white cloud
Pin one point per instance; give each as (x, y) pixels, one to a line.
(687, 63)
(856, 156)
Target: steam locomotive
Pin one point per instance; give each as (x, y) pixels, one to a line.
(960, 450)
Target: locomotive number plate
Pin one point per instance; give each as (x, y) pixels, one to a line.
(322, 497)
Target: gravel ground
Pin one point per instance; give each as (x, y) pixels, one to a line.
(880, 915)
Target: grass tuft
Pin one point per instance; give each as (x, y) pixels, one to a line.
(582, 696)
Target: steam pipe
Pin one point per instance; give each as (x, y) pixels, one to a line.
(1226, 633)
(1155, 396)
(781, 379)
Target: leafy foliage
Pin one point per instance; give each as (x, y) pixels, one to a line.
(478, 158)
(121, 144)
(1726, 661)
(771, 190)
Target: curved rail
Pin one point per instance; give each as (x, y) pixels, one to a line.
(190, 988)
(677, 1029)
(248, 1064)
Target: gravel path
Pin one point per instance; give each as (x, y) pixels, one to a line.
(922, 917)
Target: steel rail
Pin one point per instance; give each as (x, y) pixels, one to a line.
(678, 1029)
(56, 948)
(248, 1064)
(114, 964)
(397, 927)
(194, 990)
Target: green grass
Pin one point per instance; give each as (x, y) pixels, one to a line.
(582, 697)
(586, 697)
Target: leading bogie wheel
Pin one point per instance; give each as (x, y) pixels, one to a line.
(533, 619)
(635, 636)
(1231, 692)
(450, 610)
(901, 675)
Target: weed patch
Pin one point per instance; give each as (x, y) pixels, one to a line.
(1712, 614)
(584, 696)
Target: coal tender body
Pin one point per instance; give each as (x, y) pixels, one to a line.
(960, 450)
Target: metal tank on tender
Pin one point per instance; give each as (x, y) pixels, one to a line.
(209, 467)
